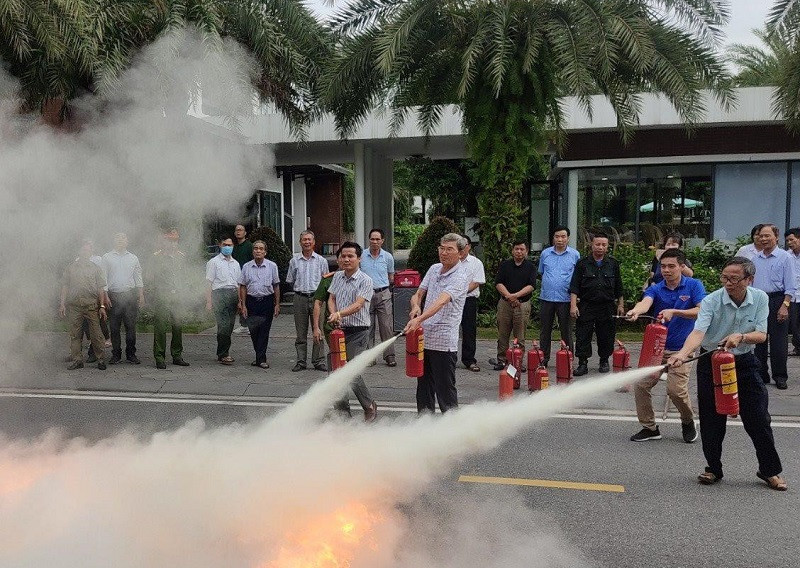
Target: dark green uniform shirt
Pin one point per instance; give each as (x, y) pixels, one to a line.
(243, 252)
(168, 275)
(322, 295)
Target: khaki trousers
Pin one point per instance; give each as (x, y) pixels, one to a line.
(76, 312)
(677, 390)
(511, 320)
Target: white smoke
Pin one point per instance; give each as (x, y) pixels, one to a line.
(133, 160)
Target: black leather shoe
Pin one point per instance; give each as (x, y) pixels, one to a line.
(134, 360)
(102, 365)
(499, 366)
(321, 367)
(180, 362)
(298, 367)
(781, 385)
(91, 358)
(161, 365)
(114, 360)
(581, 370)
(604, 368)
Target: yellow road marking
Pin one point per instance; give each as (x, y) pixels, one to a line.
(553, 484)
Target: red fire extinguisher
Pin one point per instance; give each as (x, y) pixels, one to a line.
(338, 349)
(538, 379)
(514, 357)
(655, 337)
(621, 358)
(564, 359)
(726, 389)
(535, 357)
(415, 353)
(506, 385)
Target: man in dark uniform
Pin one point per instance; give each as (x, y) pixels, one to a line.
(168, 274)
(597, 285)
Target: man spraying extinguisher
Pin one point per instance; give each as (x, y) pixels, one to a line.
(676, 302)
(735, 317)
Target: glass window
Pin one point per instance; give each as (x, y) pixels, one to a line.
(794, 219)
(746, 194)
(607, 201)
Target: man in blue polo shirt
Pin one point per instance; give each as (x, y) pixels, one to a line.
(378, 264)
(555, 268)
(675, 300)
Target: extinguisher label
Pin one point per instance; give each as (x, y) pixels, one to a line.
(727, 374)
(421, 347)
(545, 382)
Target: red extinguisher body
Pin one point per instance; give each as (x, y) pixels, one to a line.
(338, 349)
(535, 357)
(506, 388)
(564, 359)
(655, 338)
(514, 357)
(621, 358)
(538, 379)
(726, 388)
(415, 353)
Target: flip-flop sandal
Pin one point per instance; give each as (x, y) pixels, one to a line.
(226, 360)
(775, 482)
(708, 478)
(474, 367)
(264, 365)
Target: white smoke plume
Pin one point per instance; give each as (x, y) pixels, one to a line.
(321, 495)
(132, 160)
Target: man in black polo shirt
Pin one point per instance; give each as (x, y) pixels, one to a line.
(597, 285)
(516, 280)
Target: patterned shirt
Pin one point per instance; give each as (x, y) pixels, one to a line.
(475, 273)
(223, 272)
(261, 280)
(123, 271)
(774, 272)
(556, 270)
(305, 273)
(441, 329)
(378, 268)
(346, 290)
(720, 316)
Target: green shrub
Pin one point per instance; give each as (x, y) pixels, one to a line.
(405, 236)
(425, 252)
(277, 251)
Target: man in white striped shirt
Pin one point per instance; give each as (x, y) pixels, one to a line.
(305, 273)
(444, 289)
(350, 293)
(222, 295)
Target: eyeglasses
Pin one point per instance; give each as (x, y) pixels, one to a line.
(732, 279)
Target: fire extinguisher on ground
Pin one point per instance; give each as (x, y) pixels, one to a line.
(564, 359)
(538, 379)
(726, 388)
(514, 358)
(415, 353)
(621, 361)
(338, 349)
(535, 360)
(506, 387)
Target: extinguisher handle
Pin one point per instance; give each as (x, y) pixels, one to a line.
(696, 357)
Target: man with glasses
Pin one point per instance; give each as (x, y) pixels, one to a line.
(775, 276)
(444, 291)
(734, 317)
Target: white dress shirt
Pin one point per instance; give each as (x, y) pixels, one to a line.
(223, 272)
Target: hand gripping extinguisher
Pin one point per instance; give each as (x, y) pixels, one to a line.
(655, 337)
(539, 379)
(621, 358)
(338, 349)
(415, 353)
(514, 357)
(564, 358)
(726, 389)
(506, 388)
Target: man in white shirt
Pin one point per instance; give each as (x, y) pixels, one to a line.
(125, 297)
(476, 276)
(222, 295)
(750, 251)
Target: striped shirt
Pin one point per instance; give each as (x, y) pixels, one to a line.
(441, 329)
(260, 280)
(305, 274)
(345, 292)
(223, 272)
(475, 273)
(123, 271)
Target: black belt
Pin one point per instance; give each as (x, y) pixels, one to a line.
(354, 328)
(773, 294)
(376, 290)
(305, 294)
(260, 298)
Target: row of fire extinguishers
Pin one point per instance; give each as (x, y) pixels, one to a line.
(415, 352)
(723, 366)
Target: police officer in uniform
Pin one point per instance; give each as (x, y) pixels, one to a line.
(168, 276)
(597, 285)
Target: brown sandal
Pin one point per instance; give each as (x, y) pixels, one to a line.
(226, 360)
(474, 368)
(708, 478)
(775, 482)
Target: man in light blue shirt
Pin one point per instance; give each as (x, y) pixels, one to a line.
(735, 317)
(379, 265)
(775, 276)
(555, 267)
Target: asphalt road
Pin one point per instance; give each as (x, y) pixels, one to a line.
(663, 518)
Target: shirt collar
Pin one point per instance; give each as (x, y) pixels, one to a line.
(223, 259)
(748, 298)
(355, 275)
(449, 272)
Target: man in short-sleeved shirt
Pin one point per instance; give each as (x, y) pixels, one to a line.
(349, 296)
(735, 317)
(555, 270)
(515, 281)
(222, 296)
(476, 276)
(444, 290)
(675, 301)
(378, 264)
(259, 300)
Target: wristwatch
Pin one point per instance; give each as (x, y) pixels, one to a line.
(102, 307)
(786, 303)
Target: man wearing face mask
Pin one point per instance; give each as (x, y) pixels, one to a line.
(168, 282)
(222, 296)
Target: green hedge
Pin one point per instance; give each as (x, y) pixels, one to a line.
(425, 252)
(406, 235)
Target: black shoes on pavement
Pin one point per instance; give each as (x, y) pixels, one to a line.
(780, 385)
(134, 360)
(581, 369)
(604, 368)
(179, 361)
(689, 432)
(298, 367)
(161, 365)
(102, 365)
(646, 434)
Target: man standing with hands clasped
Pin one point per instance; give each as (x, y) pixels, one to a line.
(259, 300)
(735, 317)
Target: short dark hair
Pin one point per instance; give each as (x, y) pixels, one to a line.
(677, 254)
(598, 235)
(755, 230)
(559, 228)
(748, 268)
(376, 230)
(467, 239)
(793, 231)
(674, 236)
(772, 227)
(350, 245)
(518, 242)
(226, 237)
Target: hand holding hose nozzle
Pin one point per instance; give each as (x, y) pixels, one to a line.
(679, 361)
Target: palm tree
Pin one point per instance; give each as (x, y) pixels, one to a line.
(784, 24)
(761, 66)
(61, 48)
(506, 63)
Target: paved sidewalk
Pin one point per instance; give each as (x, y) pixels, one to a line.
(45, 370)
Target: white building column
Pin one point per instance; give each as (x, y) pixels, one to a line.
(383, 198)
(359, 172)
(572, 207)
